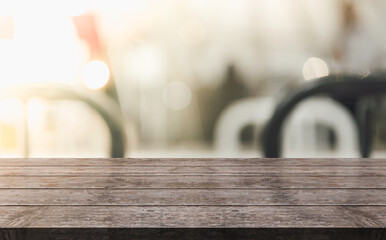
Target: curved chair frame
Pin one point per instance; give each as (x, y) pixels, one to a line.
(349, 90)
(103, 105)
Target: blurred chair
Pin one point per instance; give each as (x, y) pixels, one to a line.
(234, 118)
(355, 93)
(299, 131)
(103, 105)
(300, 135)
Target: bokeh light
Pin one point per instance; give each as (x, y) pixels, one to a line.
(95, 74)
(177, 95)
(315, 68)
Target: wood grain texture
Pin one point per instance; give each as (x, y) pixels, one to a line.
(192, 182)
(193, 170)
(191, 193)
(184, 197)
(192, 216)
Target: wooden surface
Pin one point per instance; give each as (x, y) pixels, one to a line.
(193, 193)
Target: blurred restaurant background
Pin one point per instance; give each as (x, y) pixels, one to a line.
(189, 78)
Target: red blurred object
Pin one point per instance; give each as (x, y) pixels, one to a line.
(86, 26)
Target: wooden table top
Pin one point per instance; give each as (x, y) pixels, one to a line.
(192, 193)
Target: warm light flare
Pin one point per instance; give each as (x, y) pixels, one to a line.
(95, 74)
(315, 68)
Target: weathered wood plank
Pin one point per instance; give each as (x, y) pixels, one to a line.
(171, 193)
(197, 170)
(191, 182)
(183, 197)
(192, 161)
(193, 216)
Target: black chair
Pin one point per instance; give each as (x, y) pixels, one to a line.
(357, 93)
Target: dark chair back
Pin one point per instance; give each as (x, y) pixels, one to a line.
(352, 91)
